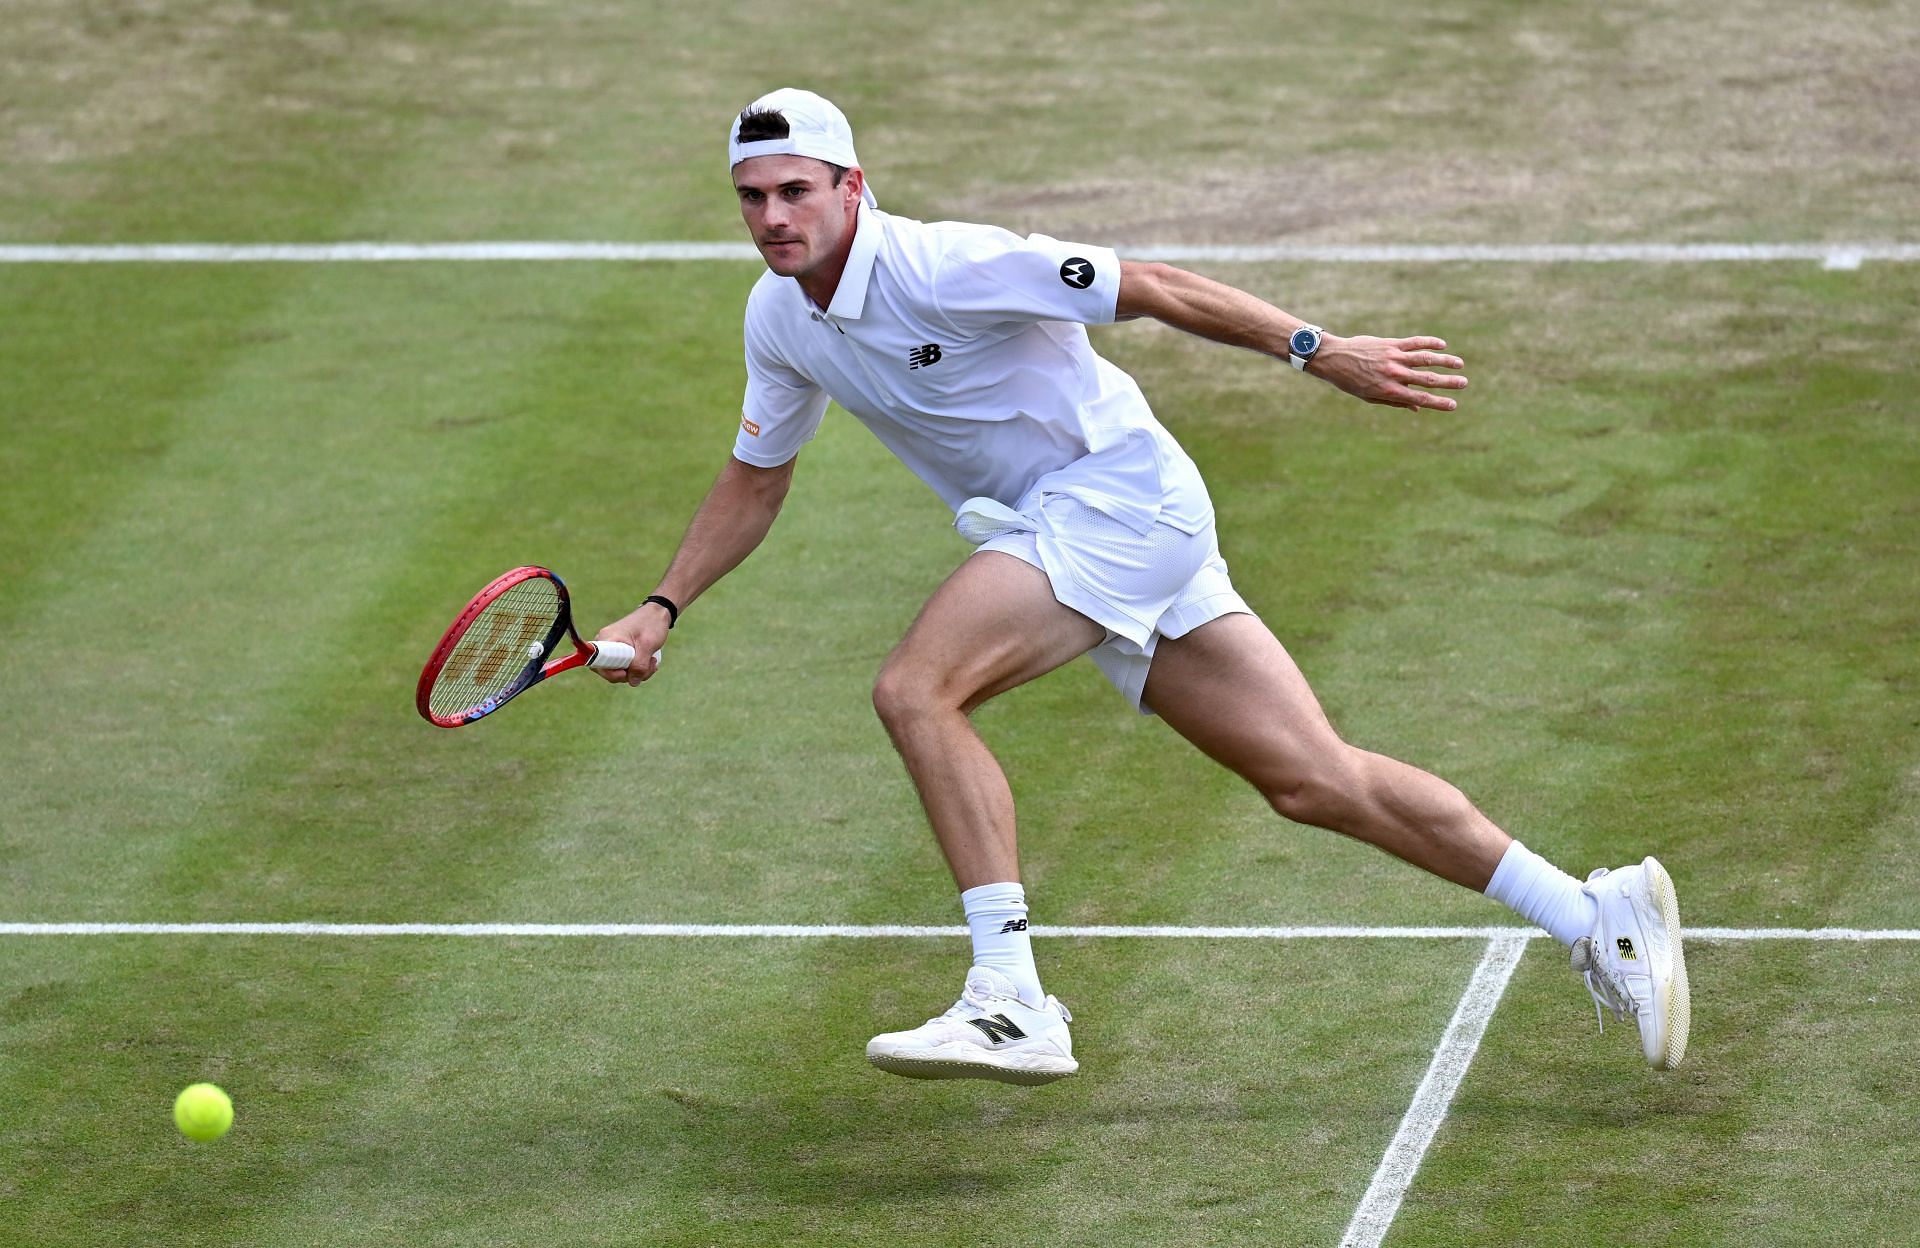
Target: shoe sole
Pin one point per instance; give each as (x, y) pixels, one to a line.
(1676, 1001)
(929, 1064)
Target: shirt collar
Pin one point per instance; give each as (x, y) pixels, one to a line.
(850, 296)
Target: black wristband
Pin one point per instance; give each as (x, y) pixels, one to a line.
(673, 612)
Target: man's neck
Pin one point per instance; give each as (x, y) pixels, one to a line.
(822, 282)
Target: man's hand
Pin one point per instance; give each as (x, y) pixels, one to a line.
(645, 629)
(1384, 370)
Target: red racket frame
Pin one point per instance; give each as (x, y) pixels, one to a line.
(535, 672)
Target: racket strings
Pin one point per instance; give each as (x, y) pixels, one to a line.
(491, 656)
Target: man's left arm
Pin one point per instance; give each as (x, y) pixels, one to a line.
(1379, 370)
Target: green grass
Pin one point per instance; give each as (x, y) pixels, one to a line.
(1777, 1138)
(1650, 590)
(534, 1091)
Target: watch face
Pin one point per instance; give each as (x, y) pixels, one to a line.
(1304, 341)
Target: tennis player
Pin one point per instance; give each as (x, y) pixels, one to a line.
(964, 349)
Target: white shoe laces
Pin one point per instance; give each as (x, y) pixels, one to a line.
(958, 1008)
(970, 1003)
(1607, 986)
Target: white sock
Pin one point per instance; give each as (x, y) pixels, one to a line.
(997, 916)
(1542, 894)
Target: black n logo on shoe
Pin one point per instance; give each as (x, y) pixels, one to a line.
(998, 1028)
(1013, 925)
(1626, 949)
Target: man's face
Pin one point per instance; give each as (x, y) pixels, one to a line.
(798, 217)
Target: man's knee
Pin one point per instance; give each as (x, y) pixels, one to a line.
(1328, 791)
(904, 695)
(1308, 799)
(1351, 790)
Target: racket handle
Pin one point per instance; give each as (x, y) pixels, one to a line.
(613, 656)
(610, 656)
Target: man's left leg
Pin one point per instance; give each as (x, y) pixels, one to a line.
(1231, 689)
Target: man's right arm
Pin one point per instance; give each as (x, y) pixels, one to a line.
(732, 520)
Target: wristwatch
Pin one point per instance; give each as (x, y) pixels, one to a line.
(1302, 345)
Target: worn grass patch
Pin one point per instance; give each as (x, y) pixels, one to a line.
(1138, 122)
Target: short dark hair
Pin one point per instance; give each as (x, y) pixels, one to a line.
(760, 124)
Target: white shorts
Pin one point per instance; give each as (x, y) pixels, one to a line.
(1139, 587)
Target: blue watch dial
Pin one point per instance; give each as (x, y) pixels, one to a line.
(1304, 342)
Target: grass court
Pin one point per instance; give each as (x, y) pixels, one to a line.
(1652, 589)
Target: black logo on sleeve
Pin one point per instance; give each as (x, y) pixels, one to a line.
(1013, 925)
(1077, 273)
(924, 357)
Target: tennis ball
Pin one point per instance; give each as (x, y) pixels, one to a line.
(202, 1112)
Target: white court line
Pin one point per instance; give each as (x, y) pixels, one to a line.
(1839, 255)
(1418, 1127)
(1397, 1168)
(818, 931)
(1430, 1100)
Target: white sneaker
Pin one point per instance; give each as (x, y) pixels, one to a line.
(990, 1033)
(1632, 960)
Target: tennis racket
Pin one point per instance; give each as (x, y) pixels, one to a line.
(499, 647)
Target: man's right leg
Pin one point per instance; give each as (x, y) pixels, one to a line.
(993, 625)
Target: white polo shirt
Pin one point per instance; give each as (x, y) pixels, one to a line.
(964, 349)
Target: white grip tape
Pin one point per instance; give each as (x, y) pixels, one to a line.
(615, 656)
(611, 656)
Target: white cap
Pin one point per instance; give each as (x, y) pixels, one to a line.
(814, 128)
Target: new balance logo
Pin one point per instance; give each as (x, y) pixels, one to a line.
(1014, 925)
(998, 1028)
(924, 357)
(1626, 949)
